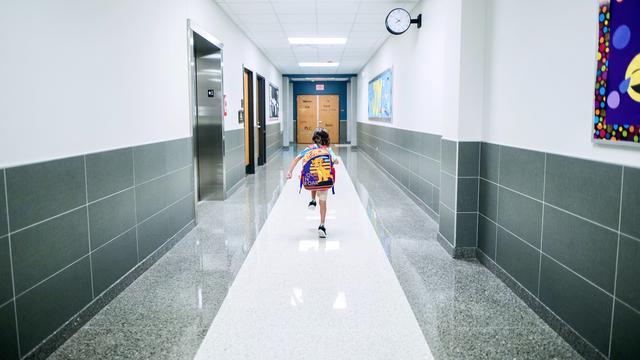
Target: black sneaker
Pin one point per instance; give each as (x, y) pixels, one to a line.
(322, 232)
(312, 205)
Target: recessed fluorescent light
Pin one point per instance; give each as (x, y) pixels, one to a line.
(318, 64)
(317, 41)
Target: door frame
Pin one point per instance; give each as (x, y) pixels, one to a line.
(193, 104)
(262, 119)
(318, 116)
(249, 123)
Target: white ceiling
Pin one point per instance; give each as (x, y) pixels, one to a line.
(268, 23)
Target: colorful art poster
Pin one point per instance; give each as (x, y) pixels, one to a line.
(381, 96)
(617, 91)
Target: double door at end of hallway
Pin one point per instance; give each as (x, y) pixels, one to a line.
(318, 111)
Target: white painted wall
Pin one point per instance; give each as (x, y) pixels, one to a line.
(539, 78)
(85, 76)
(425, 69)
(239, 51)
(471, 81)
(518, 73)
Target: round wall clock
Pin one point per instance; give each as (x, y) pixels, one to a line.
(399, 20)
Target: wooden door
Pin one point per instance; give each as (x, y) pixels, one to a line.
(329, 116)
(307, 117)
(249, 145)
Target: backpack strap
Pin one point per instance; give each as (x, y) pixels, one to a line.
(333, 175)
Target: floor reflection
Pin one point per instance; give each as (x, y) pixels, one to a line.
(463, 310)
(166, 312)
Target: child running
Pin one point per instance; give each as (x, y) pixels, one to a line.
(321, 140)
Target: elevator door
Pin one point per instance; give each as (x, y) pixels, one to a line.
(318, 111)
(209, 128)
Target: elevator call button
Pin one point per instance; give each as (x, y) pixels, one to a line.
(210, 93)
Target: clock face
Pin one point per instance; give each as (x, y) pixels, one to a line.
(398, 21)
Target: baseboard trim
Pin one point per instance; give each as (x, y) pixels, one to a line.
(446, 245)
(465, 253)
(68, 329)
(575, 340)
(459, 253)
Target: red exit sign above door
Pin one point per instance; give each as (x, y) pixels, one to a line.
(319, 87)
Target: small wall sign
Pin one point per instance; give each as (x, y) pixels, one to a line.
(319, 87)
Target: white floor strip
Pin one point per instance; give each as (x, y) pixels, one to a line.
(300, 297)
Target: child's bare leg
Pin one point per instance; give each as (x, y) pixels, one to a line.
(313, 195)
(323, 211)
(322, 198)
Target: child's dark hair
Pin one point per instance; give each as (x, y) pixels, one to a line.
(321, 137)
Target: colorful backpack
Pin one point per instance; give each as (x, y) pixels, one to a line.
(317, 170)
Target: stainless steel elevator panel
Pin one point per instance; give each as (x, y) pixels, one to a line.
(209, 120)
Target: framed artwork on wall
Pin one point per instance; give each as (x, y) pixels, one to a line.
(617, 89)
(274, 102)
(380, 94)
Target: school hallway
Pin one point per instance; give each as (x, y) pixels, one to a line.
(486, 205)
(258, 283)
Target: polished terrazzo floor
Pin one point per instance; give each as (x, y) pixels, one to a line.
(463, 311)
(301, 297)
(166, 312)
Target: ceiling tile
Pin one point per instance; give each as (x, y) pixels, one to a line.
(273, 38)
(268, 23)
(341, 30)
(299, 29)
(336, 18)
(347, 7)
(303, 18)
(293, 7)
(369, 27)
(257, 28)
(266, 18)
(251, 7)
(305, 52)
(338, 49)
(383, 6)
(373, 17)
